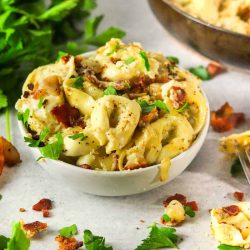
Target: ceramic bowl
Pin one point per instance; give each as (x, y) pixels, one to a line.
(214, 42)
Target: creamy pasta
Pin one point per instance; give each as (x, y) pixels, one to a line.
(122, 108)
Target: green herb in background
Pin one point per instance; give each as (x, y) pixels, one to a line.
(189, 211)
(78, 83)
(31, 33)
(93, 242)
(3, 242)
(201, 72)
(184, 107)
(80, 136)
(173, 59)
(145, 60)
(159, 237)
(68, 231)
(110, 91)
(226, 247)
(236, 168)
(166, 218)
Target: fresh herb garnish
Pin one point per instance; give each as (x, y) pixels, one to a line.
(226, 247)
(236, 168)
(189, 211)
(78, 83)
(80, 136)
(24, 117)
(145, 60)
(40, 103)
(173, 59)
(61, 54)
(110, 91)
(148, 107)
(113, 50)
(53, 150)
(35, 143)
(3, 242)
(68, 231)
(93, 242)
(166, 218)
(184, 107)
(201, 72)
(159, 237)
(130, 60)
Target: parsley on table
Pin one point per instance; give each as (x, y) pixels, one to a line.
(201, 72)
(78, 83)
(236, 168)
(68, 231)
(24, 117)
(147, 107)
(145, 60)
(173, 59)
(3, 242)
(226, 247)
(130, 60)
(159, 237)
(93, 242)
(189, 211)
(40, 103)
(184, 107)
(110, 91)
(80, 136)
(35, 143)
(166, 218)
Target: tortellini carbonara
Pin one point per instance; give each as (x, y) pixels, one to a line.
(122, 108)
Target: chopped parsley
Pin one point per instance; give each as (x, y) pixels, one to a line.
(148, 107)
(227, 247)
(201, 72)
(166, 218)
(236, 168)
(110, 90)
(189, 211)
(159, 237)
(93, 242)
(68, 231)
(184, 107)
(24, 117)
(145, 60)
(40, 104)
(173, 59)
(78, 83)
(113, 50)
(35, 143)
(130, 60)
(61, 54)
(80, 136)
(161, 105)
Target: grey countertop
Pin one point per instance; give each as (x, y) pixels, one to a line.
(207, 180)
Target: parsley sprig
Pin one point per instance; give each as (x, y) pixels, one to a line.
(68, 231)
(110, 90)
(201, 72)
(147, 107)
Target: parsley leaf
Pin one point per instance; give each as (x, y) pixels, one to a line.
(173, 59)
(80, 136)
(3, 242)
(113, 50)
(145, 60)
(159, 237)
(110, 91)
(236, 168)
(184, 107)
(90, 27)
(24, 117)
(148, 107)
(78, 83)
(53, 150)
(201, 72)
(68, 231)
(166, 218)
(161, 105)
(40, 103)
(3, 100)
(226, 247)
(130, 60)
(35, 143)
(93, 242)
(189, 211)
(18, 240)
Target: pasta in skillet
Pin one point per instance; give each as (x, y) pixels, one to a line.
(122, 108)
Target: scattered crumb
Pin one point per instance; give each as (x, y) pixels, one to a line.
(33, 228)
(142, 221)
(21, 209)
(68, 243)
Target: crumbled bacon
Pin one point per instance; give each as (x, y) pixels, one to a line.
(136, 166)
(21, 209)
(65, 59)
(30, 86)
(148, 118)
(215, 68)
(193, 205)
(68, 116)
(68, 243)
(179, 197)
(26, 94)
(38, 93)
(31, 229)
(86, 166)
(43, 205)
(231, 210)
(225, 119)
(46, 213)
(177, 96)
(239, 196)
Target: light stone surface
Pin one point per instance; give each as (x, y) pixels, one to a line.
(207, 180)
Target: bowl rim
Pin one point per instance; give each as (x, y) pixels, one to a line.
(202, 22)
(202, 133)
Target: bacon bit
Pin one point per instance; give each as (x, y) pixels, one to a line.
(231, 210)
(225, 119)
(39, 93)
(179, 197)
(68, 243)
(43, 204)
(215, 68)
(26, 94)
(193, 205)
(148, 118)
(239, 196)
(65, 59)
(46, 213)
(68, 116)
(30, 86)
(86, 166)
(21, 209)
(136, 166)
(33, 228)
